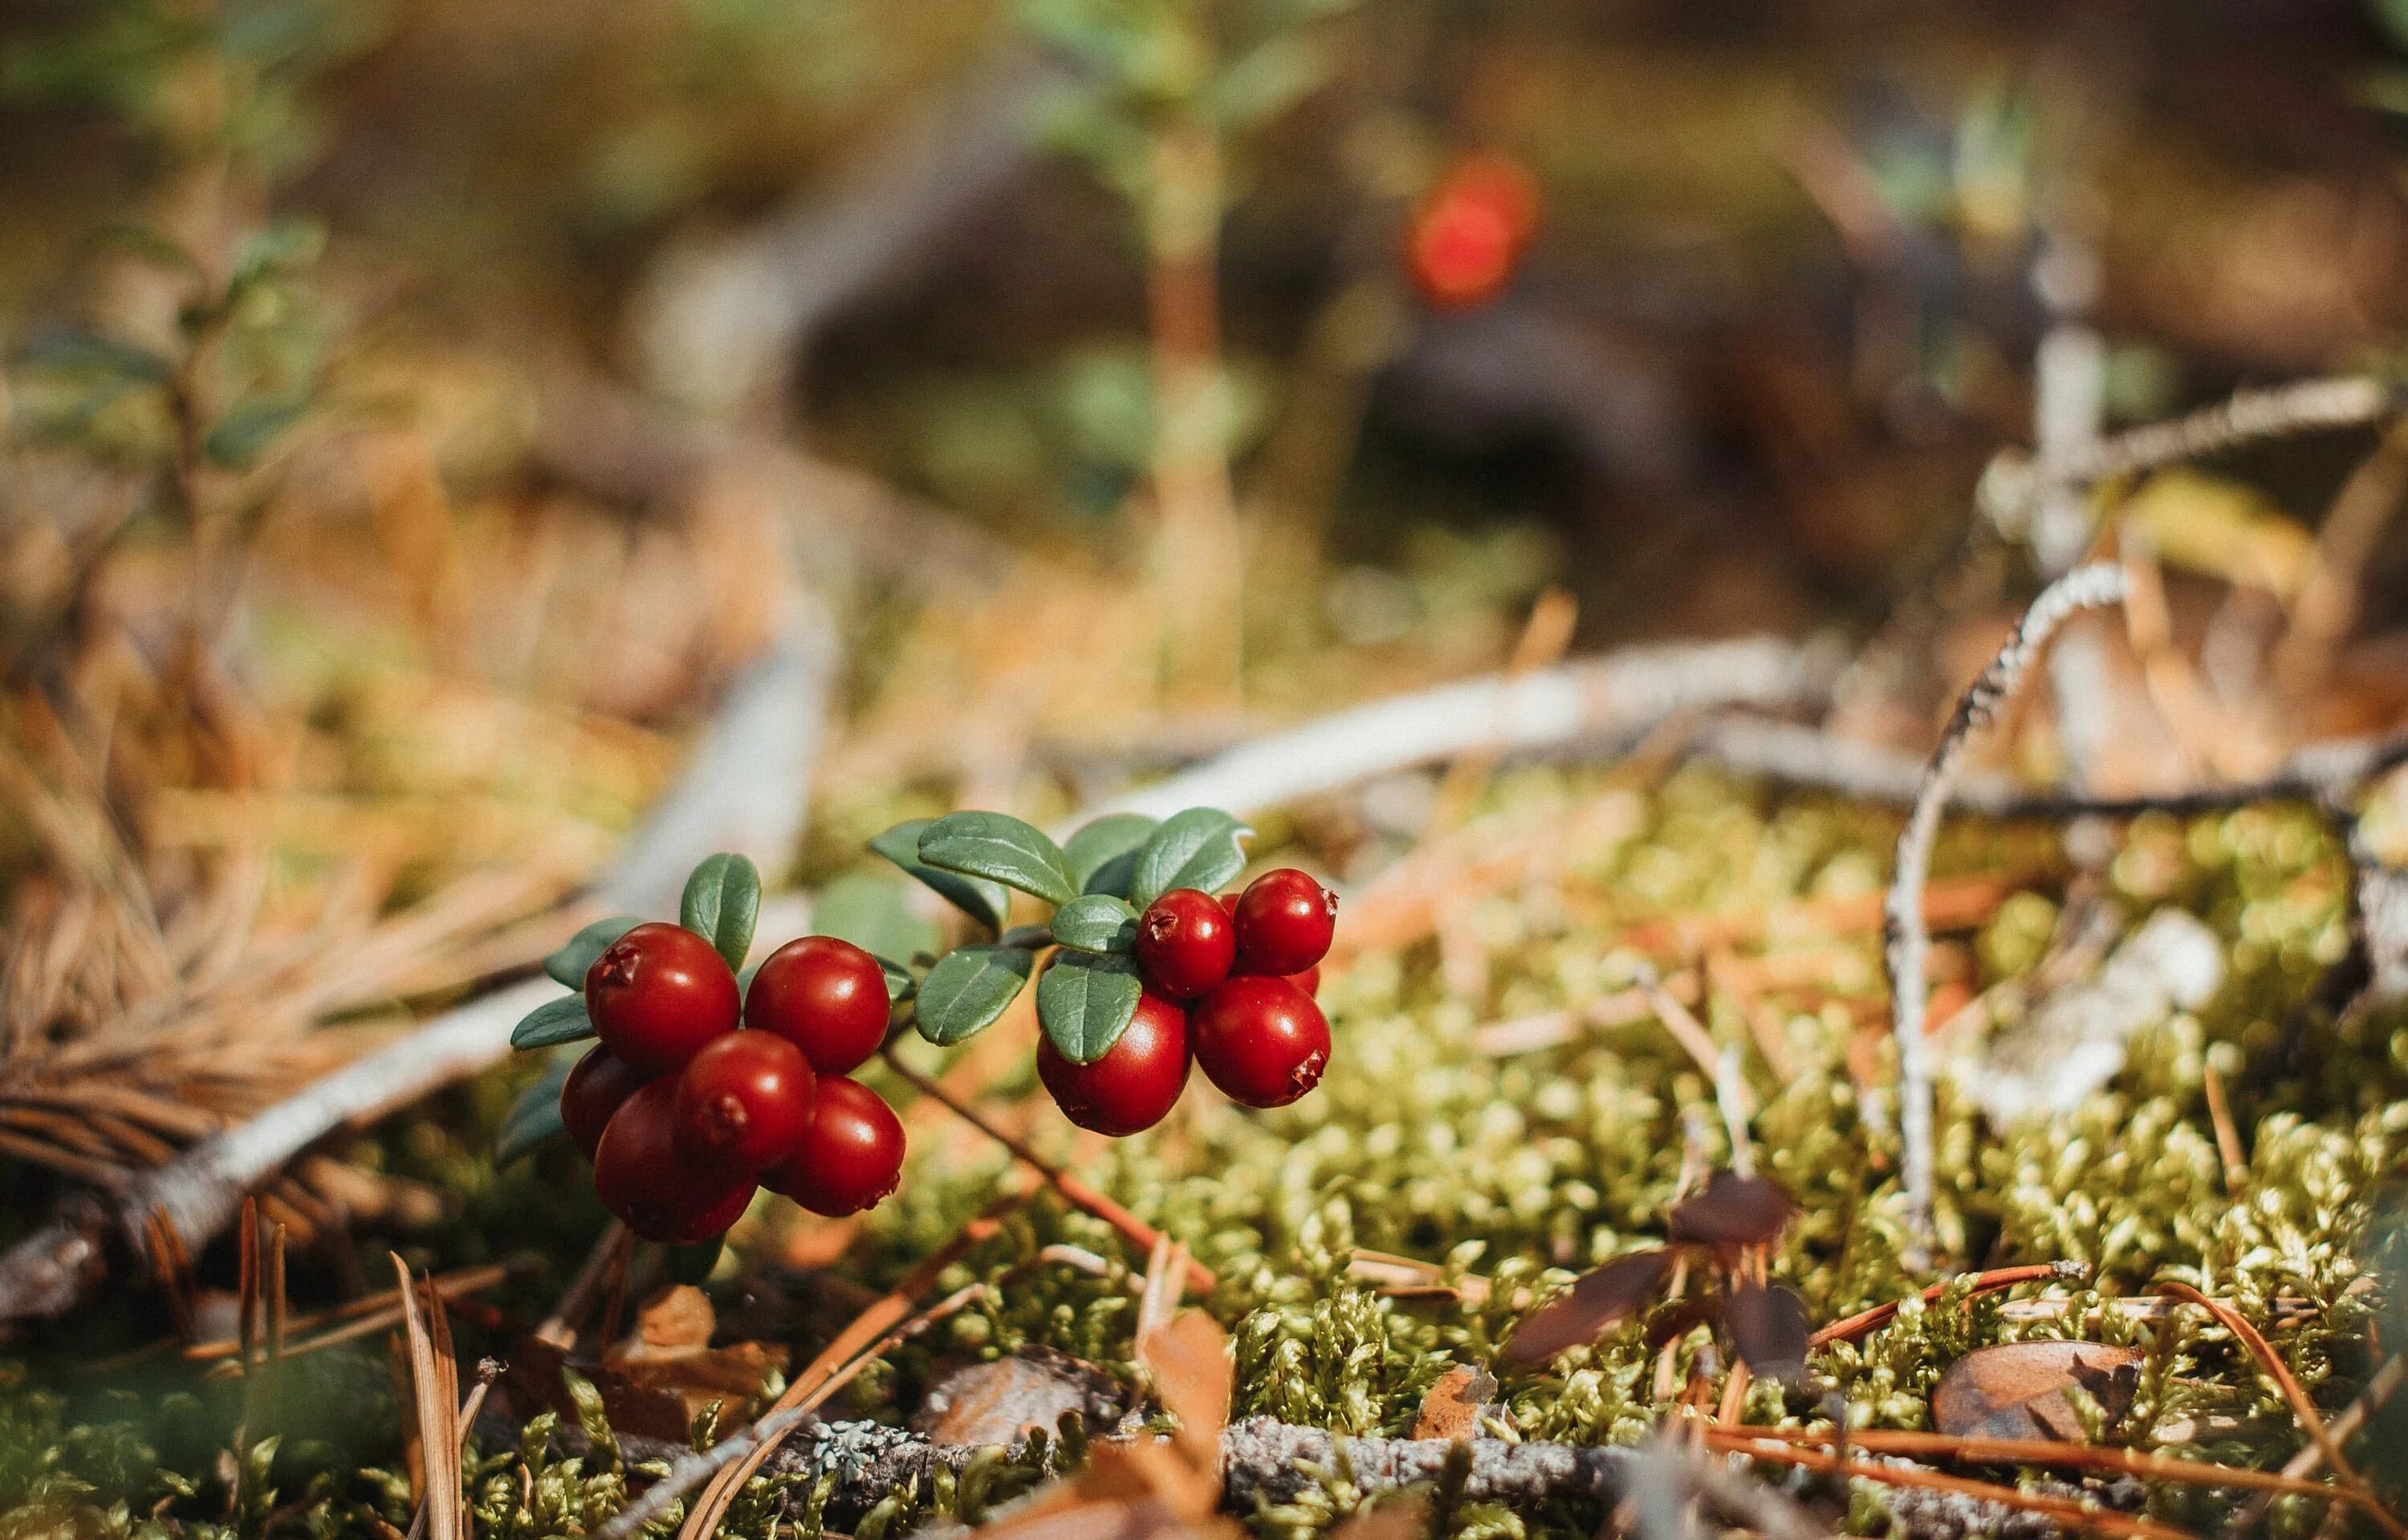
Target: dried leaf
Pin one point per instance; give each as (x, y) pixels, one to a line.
(435, 1386)
(676, 1321)
(1606, 1297)
(996, 1402)
(1768, 1330)
(1188, 1356)
(1453, 1406)
(2017, 1390)
(1733, 1210)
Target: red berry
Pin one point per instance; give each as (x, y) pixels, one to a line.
(1309, 980)
(657, 994)
(825, 996)
(1137, 1081)
(1185, 942)
(1469, 232)
(744, 1101)
(1285, 921)
(596, 1089)
(646, 1180)
(850, 1156)
(1261, 1040)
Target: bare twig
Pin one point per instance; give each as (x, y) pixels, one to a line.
(1908, 941)
(885, 1319)
(2013, 484)
(1808, 757)
(1131, 1228)
(1609, 698)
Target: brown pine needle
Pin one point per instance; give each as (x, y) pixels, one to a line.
(1864, 1321)
(2042, 1451)
(2067, 1511)
(885, 1320)
(2293, 1392)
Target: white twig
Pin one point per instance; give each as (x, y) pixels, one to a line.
(1907, 939)
(1852, 767)
(1611, 697)
(2013, 484)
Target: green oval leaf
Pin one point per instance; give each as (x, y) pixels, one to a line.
(1194, 848)
(721, 901)
(576, 954)
(1001, 848)
(985, 902)
(969, 989)
(874, 910)
(560, 1020)
(535, 1118)
(1085, 1003)
(1096, 922)
(1103, 855)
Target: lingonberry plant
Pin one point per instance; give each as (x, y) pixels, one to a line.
(708, 1083)
(1146, 963)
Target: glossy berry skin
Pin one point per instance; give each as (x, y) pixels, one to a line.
(596, 1088)
(1137, 1080)
(657, 994)
(851, 1156)
(644, 1178)
(825, 996)
(1309, 980)
(1260, 1040)
(1186, 943)
(1285, 921)
(744, 1101)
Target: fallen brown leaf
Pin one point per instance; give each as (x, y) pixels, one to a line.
(2018, 1390)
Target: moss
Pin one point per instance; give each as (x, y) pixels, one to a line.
(1531, 1168)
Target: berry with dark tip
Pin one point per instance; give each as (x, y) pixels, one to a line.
(1137, 1080)
(1285, 920)
(744, 1101)
(1186, 943)
(644, 1178)
(657, 994)
(851, 1156)
(1260, 1040)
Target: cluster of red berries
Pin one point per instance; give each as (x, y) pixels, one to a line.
(1469, 232)
(1228, 984)
(700, 1089)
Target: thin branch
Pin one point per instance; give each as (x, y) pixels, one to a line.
(2012, 484)
(1138, 1234)
(1908, 941)
(1612, 698)
(1815, 760)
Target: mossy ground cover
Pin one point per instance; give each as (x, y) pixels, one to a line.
(1523, 1168)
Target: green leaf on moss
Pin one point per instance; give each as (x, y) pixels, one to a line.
(969, 989)
(1001, 848)
(1085, 1003)
(576, 954)
(560, 1020)
(988, 902)
(721, 901)
(1194, 848)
